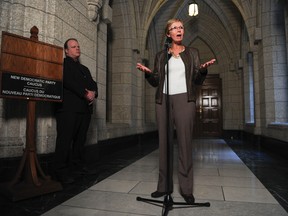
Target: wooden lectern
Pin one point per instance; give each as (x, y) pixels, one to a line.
(30, 70)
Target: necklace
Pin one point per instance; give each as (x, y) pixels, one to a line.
(176, 55)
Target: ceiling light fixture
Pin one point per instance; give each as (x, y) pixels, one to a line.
(193, 8)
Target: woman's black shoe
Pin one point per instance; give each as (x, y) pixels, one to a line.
(189, 199)
(157, 194)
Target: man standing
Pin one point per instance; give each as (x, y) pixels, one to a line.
(73, 115)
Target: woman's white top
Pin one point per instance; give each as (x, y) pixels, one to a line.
(177, 79)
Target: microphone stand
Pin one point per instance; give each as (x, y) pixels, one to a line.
(168, 200)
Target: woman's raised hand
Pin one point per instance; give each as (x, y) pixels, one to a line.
(208, 63)
(143, 68)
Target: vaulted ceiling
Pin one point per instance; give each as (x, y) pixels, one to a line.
(217, 28)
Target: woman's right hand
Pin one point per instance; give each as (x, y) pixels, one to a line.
(143, 68)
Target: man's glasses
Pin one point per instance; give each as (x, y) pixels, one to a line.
(176, 28)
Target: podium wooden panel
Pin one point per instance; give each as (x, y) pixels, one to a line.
(29, 57)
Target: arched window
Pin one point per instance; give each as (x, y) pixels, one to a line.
(249, 90)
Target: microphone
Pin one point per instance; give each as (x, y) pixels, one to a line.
(168, 42)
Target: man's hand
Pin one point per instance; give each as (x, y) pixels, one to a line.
(90, 96)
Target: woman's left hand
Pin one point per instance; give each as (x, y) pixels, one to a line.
(208, 63)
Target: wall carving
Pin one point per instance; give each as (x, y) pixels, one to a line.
(94, 7)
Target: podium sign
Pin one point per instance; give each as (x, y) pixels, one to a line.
(30, 87)
(30, 69)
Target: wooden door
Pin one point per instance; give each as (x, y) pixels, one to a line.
(208, 108)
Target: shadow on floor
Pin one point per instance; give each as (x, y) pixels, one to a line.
(106, 166)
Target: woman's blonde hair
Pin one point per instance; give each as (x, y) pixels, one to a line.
(170, 22)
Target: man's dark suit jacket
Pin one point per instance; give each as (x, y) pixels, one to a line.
(76, 78)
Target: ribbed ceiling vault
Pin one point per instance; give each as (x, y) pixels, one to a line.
(218, 24)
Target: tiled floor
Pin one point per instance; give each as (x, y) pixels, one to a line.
(221, 178)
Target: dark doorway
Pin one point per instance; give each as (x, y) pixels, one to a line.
(209, 108)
